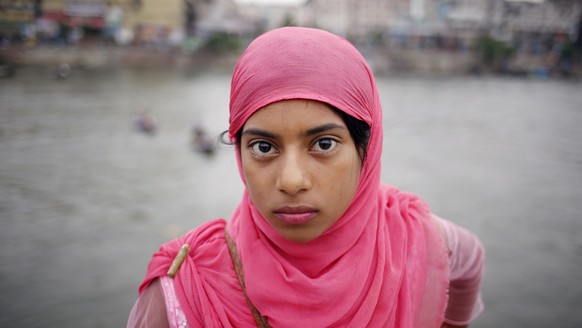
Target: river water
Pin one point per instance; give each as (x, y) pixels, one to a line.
(85, 199)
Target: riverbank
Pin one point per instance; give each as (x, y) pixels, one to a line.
(99, 57)
(383, 61)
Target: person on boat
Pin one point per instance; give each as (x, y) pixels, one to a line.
(146, 122)
(201, 141)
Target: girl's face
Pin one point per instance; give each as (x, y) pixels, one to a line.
(301, 167)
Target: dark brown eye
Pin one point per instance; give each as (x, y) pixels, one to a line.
(325, 145)
(262, 148)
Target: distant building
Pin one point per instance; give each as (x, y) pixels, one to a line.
(543, 17)
(263, 17)
(53, 20)
(350, 17)
(76, 13)
(461, 18)
(15, 14)
(223, 16)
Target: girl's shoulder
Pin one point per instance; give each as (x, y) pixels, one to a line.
(206, 241)
(205, 244)
(207, 232)
(405, 204)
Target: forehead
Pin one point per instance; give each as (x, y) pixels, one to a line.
(297, 111)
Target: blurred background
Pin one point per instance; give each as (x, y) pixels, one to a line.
(110, 113)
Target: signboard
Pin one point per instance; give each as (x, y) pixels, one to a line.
(78, 8)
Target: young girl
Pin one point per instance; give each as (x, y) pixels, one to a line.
(317, 240)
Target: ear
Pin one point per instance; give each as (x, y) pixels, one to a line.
(362, 153)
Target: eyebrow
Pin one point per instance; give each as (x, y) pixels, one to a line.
(310, 132)
(259, 133)
(323, 128)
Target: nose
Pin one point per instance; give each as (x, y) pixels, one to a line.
(293, 174)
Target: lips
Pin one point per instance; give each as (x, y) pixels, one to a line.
(295, 214)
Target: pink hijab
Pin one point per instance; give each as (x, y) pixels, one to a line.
(383, 264)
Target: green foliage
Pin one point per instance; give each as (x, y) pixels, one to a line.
(493, 52)
(570, 52)
(222, 43)
(376, 38)
(288, 21)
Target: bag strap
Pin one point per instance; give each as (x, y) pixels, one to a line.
(261, 321)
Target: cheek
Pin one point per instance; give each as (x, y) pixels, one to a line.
(345, 173)
(349, 182)
(247, 172)
(256, 181)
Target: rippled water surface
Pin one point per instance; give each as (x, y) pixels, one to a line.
(85, 198)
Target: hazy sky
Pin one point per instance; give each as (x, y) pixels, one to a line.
(271, 1)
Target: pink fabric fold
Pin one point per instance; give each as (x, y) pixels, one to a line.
(467, 261)
(382, 264)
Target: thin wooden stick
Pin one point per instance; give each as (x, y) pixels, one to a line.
(178, 260)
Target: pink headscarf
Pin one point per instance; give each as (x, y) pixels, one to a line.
(382, 264)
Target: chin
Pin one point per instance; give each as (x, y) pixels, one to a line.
(298, 237)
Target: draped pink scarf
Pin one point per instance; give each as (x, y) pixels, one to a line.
(382, 264)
